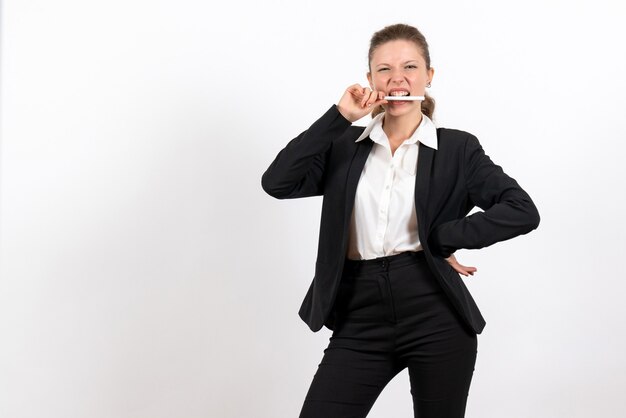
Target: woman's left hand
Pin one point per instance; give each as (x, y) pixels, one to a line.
(460, 268)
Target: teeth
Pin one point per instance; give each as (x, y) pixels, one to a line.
(399, 93)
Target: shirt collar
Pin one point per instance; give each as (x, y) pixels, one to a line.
(426, 132)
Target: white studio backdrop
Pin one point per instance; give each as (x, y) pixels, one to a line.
(144, 273)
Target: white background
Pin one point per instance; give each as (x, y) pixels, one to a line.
(144, 272)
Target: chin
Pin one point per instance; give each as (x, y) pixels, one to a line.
(403, 110)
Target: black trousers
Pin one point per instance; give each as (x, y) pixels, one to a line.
(392, 314)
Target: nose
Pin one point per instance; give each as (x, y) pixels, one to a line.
(396, 77)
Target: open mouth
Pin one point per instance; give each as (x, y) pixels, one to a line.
(399, 93)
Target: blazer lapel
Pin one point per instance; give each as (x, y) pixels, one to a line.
(359, 158)
(422, 181)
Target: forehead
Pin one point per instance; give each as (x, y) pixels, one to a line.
(397, 51)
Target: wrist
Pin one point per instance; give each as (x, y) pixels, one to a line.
(350, 118)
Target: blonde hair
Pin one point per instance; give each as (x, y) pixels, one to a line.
(396, 32)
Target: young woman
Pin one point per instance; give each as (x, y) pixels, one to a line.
(396, 200)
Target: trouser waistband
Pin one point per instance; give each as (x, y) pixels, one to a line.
(382, 264)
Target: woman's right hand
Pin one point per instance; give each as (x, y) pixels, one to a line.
(358, 101)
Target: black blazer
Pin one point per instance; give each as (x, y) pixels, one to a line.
(450, 181)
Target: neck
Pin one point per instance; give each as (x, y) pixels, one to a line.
(399, 128)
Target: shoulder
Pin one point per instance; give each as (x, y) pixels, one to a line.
(451, 134)
(350, 135)
(455, 139)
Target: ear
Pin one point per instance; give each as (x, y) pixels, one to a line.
(431, 73)
(369, 80)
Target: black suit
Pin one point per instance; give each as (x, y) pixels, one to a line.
(450, 181)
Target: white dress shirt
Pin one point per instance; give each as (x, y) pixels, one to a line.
(383, 220)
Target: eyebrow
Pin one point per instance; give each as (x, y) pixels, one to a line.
(405, 62)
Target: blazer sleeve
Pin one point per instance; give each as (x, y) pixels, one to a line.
(508, 211)
(298, 169)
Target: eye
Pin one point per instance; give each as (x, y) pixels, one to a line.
(411, 66)
(382, 69)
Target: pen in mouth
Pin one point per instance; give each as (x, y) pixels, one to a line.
(404, 98)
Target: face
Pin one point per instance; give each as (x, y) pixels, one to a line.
(397, 67)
